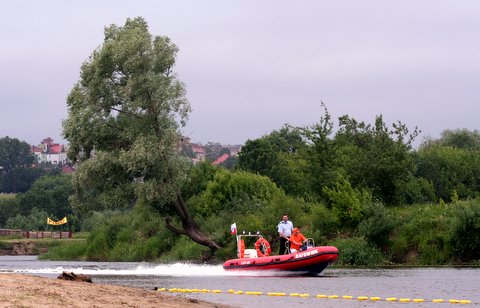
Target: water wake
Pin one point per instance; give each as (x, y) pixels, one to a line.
(138, 269)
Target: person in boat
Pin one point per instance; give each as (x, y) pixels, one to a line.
(285, 228)
(297, 240)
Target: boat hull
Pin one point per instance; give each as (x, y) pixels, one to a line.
(310, 261)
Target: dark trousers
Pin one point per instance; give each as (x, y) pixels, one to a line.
(283, 248)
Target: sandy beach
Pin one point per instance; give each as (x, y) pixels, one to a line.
(18, 290)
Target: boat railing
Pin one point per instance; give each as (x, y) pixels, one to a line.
(310, 243)
(248, 252)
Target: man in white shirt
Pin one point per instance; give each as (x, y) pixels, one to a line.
(285, 228)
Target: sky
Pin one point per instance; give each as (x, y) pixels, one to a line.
(252, 66)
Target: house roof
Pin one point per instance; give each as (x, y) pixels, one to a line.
(198, 149)
(221, 159)
(36, 149)
(55, 148)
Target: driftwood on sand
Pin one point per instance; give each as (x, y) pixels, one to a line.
(74, 277)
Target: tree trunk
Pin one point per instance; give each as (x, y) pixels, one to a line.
(190, 227)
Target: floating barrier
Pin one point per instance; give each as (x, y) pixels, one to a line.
(321, 296)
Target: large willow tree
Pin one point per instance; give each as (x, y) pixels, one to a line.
(123, 127)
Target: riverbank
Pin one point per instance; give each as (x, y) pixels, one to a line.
(19, 290)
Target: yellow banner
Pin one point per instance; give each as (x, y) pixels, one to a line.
(56, 223)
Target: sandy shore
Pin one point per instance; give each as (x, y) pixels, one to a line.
(18, 290)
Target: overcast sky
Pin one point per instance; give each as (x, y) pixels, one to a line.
(252, 66)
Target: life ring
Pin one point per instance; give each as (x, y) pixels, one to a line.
(241, 249)
(261, 242)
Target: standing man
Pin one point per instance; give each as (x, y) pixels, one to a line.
(285, 228)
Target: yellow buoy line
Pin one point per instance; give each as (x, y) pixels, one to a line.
(324, 296)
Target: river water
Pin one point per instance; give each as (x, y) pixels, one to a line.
(341, 287)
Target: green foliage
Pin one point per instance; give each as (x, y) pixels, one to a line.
(358, 252)
(280, 156)
(458, 138)
(14, 154)
(198, 178)
(50, 194)
(379, 157)
(450, 170)
(35, 220)
(465, 232)
(348, 204)
(9, 207)
(135, 235)
(377, 225)
(20, 179)
(422, 235)
(184, 249)
(127, 107)
(68, 251)
(316, 221)
(412, 190)
(16, 172)
(229, 189)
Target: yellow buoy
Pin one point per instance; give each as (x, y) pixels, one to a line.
(216, 291)
(347, 297)
(321, 296)
(391, 299)
(304, 295)
(437, 300)
(161, 289)
(375, 298)
(405, 300)
(333, 296)
(362, 298)
(276, 294)
(465, 301)
(294, 294)
(453, 301)
(418, 300)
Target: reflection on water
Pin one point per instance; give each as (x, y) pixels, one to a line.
(424, 283)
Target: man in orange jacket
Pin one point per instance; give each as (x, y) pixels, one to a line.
(296, 240)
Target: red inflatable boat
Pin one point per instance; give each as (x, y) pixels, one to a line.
(311, 261)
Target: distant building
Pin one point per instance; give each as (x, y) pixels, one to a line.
(49, 152)
(199, 152)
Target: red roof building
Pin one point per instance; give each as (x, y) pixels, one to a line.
(221, 159)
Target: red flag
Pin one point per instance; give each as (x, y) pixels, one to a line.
(233, 228)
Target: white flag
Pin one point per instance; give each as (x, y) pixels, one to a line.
(233, 228)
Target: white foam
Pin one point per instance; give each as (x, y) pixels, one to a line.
(148, 269)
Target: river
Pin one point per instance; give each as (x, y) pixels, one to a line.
(335, 287)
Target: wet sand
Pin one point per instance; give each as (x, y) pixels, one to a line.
(18, 290)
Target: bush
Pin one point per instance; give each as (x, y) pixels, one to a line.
(9, 207)
(423, 234)
(358, 252)
(414, 190)
(347, 203)
(184, 249)
(317, 222)
(36, 220)
(74, 250)
(465, 232)
(377, 227)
